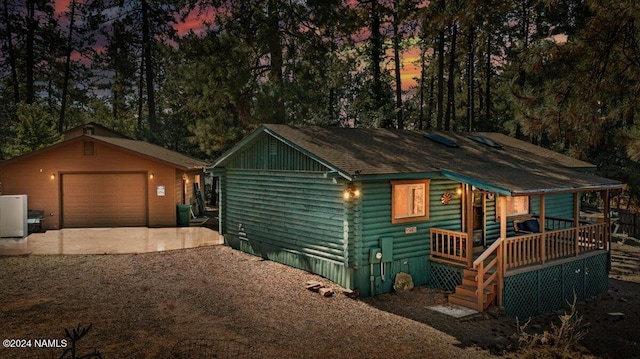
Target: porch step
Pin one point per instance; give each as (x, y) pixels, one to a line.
(470, 290)
(463, 300)
(470, 277)
(465, 294)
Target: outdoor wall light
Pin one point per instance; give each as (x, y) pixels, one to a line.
(351, 193)
(151, 176)
(459, 191)
(53, 176)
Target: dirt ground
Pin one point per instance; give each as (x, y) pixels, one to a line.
(612, 319)
(152, 305)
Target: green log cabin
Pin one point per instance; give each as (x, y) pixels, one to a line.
(492, 219)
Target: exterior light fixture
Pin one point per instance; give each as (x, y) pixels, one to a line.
(53, 176)
(151, 176)
(459, 191)
(351, 193)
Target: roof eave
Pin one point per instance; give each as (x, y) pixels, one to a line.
(594, 187)
(475, 182)
(395, 176)
(141, 154)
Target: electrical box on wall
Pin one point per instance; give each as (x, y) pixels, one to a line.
(375, 255)
(386, 245)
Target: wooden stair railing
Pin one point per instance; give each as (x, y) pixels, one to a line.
(482, 284)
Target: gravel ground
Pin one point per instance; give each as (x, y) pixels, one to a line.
(146, 305)
(142, 305)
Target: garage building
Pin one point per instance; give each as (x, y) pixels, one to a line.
(104, 180)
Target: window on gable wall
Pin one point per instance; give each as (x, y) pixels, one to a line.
(409, 201)
(89, 148)
(516, 206)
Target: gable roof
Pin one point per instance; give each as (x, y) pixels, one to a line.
(154, 152)
(102, 131)
(141, 148)
(517, 168)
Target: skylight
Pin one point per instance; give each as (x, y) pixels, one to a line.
(485, 141)
(441, 140)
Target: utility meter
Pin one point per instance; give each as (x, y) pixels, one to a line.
(375, 255)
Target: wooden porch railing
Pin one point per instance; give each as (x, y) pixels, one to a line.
(554, 223)
(449, 245)
(537, 248)
(490, 270)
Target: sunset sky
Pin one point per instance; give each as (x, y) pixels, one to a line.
(410, 59)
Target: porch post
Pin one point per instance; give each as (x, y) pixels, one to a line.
(607, 219)
(503, 229)
(576, 221)
(468, 190)
(543, 222)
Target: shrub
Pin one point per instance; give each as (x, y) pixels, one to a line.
(562, 341)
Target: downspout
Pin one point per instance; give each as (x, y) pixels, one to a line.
(371, 280)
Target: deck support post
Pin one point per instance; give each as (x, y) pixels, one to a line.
(607, 218)
(576, 221)
(543, 220)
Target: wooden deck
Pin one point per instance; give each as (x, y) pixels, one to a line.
(517, 252)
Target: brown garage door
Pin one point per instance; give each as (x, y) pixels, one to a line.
(104, 200)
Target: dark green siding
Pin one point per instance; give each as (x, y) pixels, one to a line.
(493, 226)
(410, 251)
(295, 218)
(556, 205)
(268, 153)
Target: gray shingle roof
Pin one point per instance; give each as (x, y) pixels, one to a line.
(518, 167)
(153, 151)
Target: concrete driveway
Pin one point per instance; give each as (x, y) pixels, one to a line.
(109, 241)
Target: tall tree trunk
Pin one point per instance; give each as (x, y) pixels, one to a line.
(31, 30)
(376, 60)
(470, 78)
(11, 54)
(398, 64)
(522, 75)
(275, 50)
(140, 130)
(440, 89)
(432, 84)
(487, 89)
(67, 68)
(148, 59)
(423, 72)
(243, 108)
(525, 40)
(451, 91)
